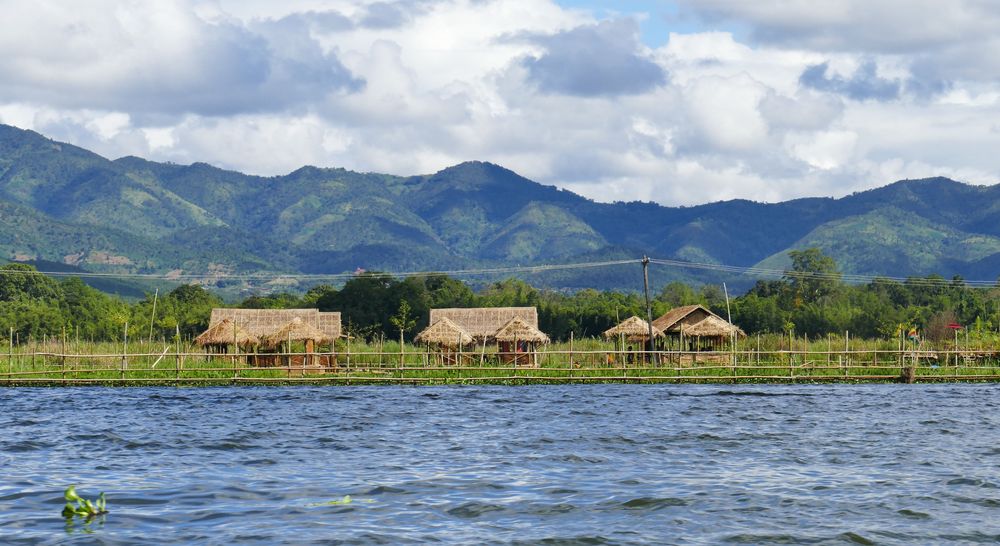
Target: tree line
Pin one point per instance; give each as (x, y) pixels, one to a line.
(810, 299)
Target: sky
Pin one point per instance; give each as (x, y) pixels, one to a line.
(677, 102)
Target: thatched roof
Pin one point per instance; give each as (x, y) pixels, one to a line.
(482, 322)
(669, 321)
(713, 326)
(296, 330)
(519, 330)
(444, 332)
(226, 332)
(264, 322)
(632, 328)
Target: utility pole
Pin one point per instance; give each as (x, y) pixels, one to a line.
(649, 309)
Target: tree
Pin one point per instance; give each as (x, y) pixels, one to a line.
(813, 275)
(22, 281)
(402, 320)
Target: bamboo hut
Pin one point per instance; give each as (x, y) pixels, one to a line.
(632, 329)
(447, 337)
(297, 330)
(444, 333)
(483, 322)
(218, 338)
(264, 322)
(695, 327)
(517, 342)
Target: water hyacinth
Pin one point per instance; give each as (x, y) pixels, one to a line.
(83, 508)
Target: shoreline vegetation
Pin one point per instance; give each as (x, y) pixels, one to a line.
(809, 325)
(763, 359)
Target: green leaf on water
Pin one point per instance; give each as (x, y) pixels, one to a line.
(338, 502)
(70, 494)
(83, 508)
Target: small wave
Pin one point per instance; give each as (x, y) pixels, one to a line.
(26, 446)
(974, 482)
(653, 503)
(471, 510)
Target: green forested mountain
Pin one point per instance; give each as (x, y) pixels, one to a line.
(64, 204)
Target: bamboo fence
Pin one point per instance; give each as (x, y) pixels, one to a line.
(55, 363)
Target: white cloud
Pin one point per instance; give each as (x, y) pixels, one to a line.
(413, 87)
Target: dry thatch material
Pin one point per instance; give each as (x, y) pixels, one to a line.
(633, 328)
(687, 315)
(264, 322)
(445, 333)
(713, 326)
(226, 332)
(519, 330)
(296, 330)
(483, 322)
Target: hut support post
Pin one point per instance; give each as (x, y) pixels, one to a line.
(482, 355)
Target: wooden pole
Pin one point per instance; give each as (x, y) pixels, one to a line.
(847, 352)
(10, 352)
(62, 358)
(571, 348)
(124, 350)
(649, 309)
(152, 316)
(177, 352)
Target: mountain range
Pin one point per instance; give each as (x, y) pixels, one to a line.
(61, 203)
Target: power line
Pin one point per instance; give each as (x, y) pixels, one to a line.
(323, 276)
(745, 271)
(751, 271)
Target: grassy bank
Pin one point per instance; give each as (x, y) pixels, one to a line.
(589, 360)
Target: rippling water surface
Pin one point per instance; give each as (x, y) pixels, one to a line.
(592, 464)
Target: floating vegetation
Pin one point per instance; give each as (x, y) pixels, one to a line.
(341, 502)
(84, 508)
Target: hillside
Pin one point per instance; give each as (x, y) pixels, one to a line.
(64, 204)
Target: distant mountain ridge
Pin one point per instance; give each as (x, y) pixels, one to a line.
(62, 203)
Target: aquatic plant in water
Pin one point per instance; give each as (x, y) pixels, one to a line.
(83, 508)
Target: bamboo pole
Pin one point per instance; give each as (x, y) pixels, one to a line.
(62, 358)
(177, 352)
(124, 351)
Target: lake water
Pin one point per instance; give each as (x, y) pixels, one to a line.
(589, 464)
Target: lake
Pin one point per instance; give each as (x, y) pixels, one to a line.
(566, 464)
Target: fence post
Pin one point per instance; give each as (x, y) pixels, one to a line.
(10, 355)
(177, 353)
(124, 351)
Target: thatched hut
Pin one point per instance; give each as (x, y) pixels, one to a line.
(448, 338)
(444, 333)
(517, 342)
(218, 338)
(694, 327)
(483, 322)
(264, 322)
(297, 330)
(633, 329)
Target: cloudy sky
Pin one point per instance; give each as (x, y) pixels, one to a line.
(678, 102)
